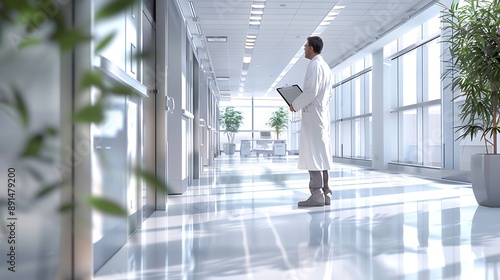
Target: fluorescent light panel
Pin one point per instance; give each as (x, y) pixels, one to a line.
(191, 8)
(254, 21)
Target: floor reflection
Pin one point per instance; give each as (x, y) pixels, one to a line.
(240, 221)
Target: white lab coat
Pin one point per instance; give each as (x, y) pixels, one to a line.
(315, 152)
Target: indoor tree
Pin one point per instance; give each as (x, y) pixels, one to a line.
(471, 35)
(278, 121)
(230, 121)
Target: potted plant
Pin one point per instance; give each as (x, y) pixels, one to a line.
(472, 35)
(278, 121)
(230, 121)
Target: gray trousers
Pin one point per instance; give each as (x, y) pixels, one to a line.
(319, 181)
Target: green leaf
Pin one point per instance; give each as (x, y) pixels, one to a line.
(107, 206)
(20, 106)
(105, 42)
(92, 78)
(52, 131)
(33, 146)
(90, 114)
(113, 8)
(151, 180)
(66, 207)
(34, 173)
(69, 38)
(8, 108)
(143, 55)
(46, 190)
(30, 41)
(15, 4)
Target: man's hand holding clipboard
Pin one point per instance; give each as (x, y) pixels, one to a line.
(289, 93)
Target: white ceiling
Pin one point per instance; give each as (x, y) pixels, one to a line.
(284, 27)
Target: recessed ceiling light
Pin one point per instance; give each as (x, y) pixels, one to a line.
(255, 23)
(247, 59)
(258, 6)
(257, 12)
(255, 17)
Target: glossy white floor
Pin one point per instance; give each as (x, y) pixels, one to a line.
(240, 221)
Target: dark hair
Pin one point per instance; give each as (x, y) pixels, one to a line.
(316, 43)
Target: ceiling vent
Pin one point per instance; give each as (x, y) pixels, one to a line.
(225, 95)
(217, 39)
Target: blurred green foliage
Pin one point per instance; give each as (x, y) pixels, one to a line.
(29, 16)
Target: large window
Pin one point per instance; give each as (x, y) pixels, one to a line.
(418, 97)
(351, 110)
(256, 113)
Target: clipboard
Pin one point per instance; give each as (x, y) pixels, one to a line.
(289, 93)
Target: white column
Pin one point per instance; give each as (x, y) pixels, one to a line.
(383, 137)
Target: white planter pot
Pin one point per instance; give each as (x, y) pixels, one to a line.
(485, 179)
(229, 149)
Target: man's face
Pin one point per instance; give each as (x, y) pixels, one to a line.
(308, 51)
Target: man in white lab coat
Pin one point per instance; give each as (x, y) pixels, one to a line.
(315, 153)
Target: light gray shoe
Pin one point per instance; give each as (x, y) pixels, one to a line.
(313, 200)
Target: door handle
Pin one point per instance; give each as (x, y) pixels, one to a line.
(169, 100)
